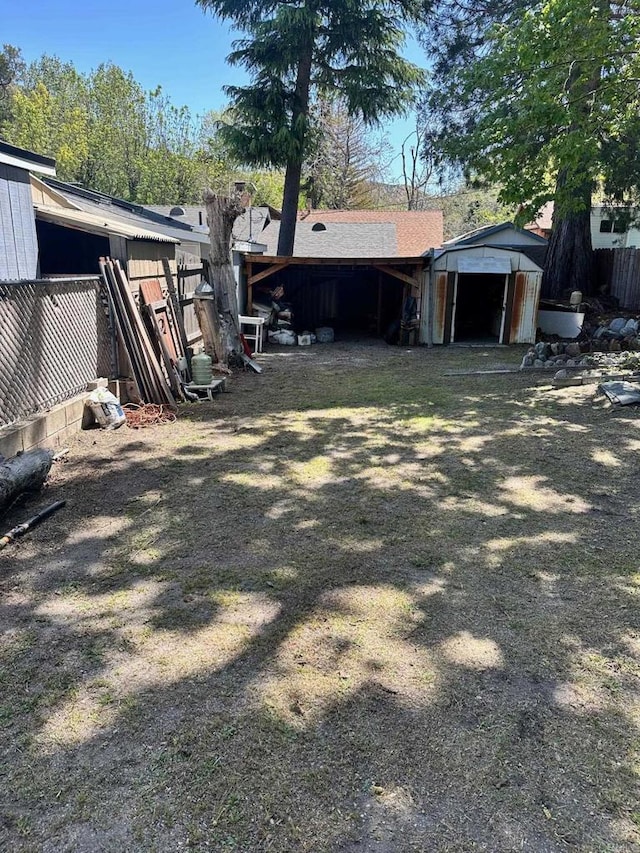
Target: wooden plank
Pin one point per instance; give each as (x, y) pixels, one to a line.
(407, 279)
(175, 304)
(169, 364)
(124, 329)
(163, 391)
(254, 279)
(338, 262)
(152, 296)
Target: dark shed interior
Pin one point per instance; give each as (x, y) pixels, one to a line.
(479, 299)
(67, 251)
(356, 299)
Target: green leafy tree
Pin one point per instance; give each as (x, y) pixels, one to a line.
(295, 47)
(545, 103)
(11, 68)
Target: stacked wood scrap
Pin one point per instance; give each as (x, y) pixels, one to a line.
(153, 348)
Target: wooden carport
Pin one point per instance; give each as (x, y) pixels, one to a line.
(408, 270)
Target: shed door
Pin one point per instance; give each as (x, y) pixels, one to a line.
(524, 311)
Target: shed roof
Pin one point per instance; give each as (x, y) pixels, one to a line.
(417, 231)
(337, 240)
(81, 220)
(517, 237)
(458, 258)
(29, 160)
(101, 204)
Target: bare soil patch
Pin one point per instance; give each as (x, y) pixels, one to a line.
(354, 605)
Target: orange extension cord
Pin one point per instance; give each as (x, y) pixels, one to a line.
(147, 414)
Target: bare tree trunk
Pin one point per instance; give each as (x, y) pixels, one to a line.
(287, 234)
(222, 213)
(569, 263)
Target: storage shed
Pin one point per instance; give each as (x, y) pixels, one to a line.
(73, 239)
(481, 294)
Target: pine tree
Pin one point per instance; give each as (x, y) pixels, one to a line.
(349, 48)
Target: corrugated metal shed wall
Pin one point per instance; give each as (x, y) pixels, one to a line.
(18, 241)
(525, 308)
(523, 319)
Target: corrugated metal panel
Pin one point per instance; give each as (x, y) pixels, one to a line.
(19, 244)
(94, 224)
(525, 307)
(439, 306)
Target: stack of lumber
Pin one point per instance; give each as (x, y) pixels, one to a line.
(153, 348)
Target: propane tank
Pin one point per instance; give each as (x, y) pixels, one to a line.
(201, 371)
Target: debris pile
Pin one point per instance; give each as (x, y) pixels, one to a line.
(279, 318)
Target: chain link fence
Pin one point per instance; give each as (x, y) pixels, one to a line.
(54, 338)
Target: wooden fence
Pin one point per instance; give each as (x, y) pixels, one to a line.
(189, 277)
(618, 272)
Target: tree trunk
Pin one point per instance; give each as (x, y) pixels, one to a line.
(222, 213)
(22, 473)
(569, 263)
(287, 234)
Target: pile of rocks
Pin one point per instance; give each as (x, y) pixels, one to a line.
(561, 355)
(556, 355)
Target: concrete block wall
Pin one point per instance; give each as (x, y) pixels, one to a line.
(53, 428)
(48, 429)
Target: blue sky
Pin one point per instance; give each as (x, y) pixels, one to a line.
(167, 42)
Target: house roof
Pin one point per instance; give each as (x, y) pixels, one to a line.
(29, 160)
(192, 214)
(337, 240)
(544, 220)
(82, 220)
(115, 209)
(480, 236)
(417, 231)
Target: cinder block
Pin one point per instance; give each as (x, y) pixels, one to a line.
(101, 382)
(34, 432)
(75, 409)
(10, 441)
(55, 419)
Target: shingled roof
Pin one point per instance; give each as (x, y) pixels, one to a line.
(337, 240)
(417, 231)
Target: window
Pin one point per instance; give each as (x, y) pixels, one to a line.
(605, 226)
(619, 227)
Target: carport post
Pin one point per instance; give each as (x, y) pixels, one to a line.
(432, 257)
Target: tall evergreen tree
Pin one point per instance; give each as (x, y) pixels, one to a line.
(293, 47)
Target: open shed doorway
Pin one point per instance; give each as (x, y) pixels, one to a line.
(479, 307)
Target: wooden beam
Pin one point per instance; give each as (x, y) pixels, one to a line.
(249, 307)
(335, 262)
(254, 279)
(407, 279)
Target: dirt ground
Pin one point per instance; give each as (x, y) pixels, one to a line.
(356, 604)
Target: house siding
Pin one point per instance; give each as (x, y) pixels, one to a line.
(18, 241)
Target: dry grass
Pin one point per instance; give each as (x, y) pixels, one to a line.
(355, 605)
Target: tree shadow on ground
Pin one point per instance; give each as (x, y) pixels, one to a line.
(390, 611)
